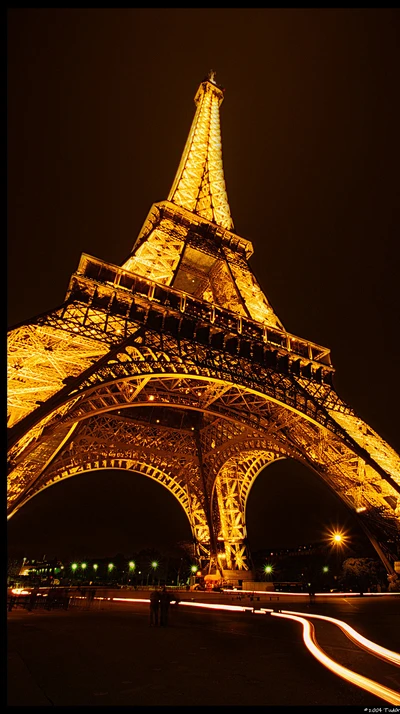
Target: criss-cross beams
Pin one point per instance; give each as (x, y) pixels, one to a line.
(199, 184)
(153, 354)
(175, 365)
(241, 426)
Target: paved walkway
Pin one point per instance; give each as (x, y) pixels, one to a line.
(109, 656)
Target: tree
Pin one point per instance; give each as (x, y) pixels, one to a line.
(361, 573)
(394, 583)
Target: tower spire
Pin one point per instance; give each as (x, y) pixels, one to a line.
(199, 184)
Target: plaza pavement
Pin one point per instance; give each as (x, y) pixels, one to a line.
(109, 656)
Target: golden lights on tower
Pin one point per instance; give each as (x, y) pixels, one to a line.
(201, 336)
(199, 184)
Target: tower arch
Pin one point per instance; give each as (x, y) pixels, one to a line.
(175, 363)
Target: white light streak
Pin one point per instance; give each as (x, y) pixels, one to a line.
(388, 695)
(369, 645)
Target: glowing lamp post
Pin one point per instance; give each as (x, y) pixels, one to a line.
(338, 540)
(193, 570)
(132, 566)
(154, 565)
(268, 570)
(73, 568)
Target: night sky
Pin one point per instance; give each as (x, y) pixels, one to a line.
(100, 103)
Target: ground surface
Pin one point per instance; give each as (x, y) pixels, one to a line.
(108, 655)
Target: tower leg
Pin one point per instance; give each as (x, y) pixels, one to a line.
(213, 564)
(236, 557)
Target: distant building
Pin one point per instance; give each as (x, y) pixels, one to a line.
(41, 570)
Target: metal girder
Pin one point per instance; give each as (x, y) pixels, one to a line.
(153, 354)
(199, 185)
(175, 365)
(228, 435)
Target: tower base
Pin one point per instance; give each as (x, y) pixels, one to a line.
(237, 578)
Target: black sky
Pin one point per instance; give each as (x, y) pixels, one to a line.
(100, 103)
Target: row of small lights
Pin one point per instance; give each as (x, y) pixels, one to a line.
(132, 566)
(336, 539)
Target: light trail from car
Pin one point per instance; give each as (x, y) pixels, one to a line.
(369, 645)
(388, 695)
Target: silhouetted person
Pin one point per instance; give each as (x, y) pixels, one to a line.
(165, 599)
(154, 607)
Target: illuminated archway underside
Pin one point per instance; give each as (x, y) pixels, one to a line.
(108, 419)
(175, 365)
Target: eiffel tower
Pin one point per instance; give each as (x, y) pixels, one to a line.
(174, 365)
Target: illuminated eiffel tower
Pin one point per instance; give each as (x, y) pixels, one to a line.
(174, 365)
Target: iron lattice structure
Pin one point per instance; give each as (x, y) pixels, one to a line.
(175, 365)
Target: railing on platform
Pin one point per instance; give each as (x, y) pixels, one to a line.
(111, 287)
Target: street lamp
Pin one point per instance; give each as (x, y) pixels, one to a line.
(268, 569)
(132, 566)
(110, 567)
(73, 568)
(338, 540)
(154, 565)
(325, 569)
(193, 570)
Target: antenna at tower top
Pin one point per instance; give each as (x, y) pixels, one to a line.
(211, 76)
